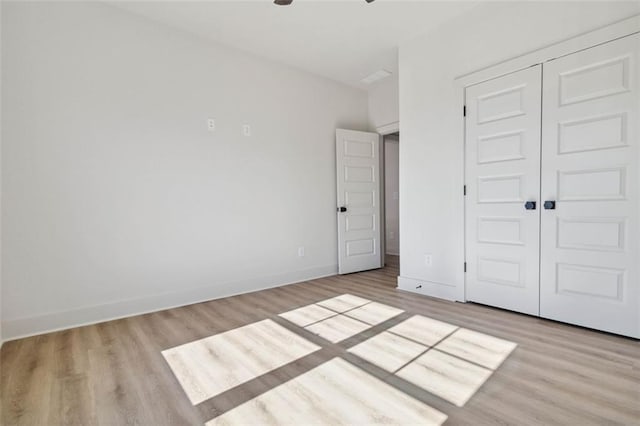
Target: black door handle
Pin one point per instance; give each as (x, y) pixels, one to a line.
(530, 205)
(550, 205)
(342, 209)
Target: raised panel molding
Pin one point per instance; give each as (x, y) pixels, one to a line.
(603, 79)
(359, 199)
(499, 147)
(593, 133)
(592, 184)
(500, 230)
(500, 189)
(500, 271)
(362, 174)
(590, 281)
(500, 105)
(360, 222)
(361, 149)
(362, 247)
(591, 233)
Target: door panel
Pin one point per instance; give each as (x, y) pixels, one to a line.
(502, 173)
(358, 186)
(590, 159)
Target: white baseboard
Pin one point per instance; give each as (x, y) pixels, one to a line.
(428, 288)
(30, 326)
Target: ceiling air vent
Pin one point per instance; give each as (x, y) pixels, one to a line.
(376, 76)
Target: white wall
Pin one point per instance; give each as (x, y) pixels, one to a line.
(1, 338)
(118, 200)
(391, 194)
(383, 102)
(431, 154)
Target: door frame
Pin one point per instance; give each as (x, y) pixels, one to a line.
(614, 31)
(383, 131)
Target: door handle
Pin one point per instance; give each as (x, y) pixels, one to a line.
(530, 205)
(550, 205)
(342, 209)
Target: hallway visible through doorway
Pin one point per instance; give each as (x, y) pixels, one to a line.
(392, 199)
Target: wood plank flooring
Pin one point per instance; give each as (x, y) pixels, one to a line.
(114, 373)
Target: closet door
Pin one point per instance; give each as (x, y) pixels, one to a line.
(502, 154)
(590, 158)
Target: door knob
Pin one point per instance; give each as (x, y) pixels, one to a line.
(530, 205)
(549, 205)
(342, 209)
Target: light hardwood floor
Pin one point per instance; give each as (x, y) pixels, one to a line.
(115, 372)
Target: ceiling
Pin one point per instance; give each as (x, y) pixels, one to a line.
(343, 40)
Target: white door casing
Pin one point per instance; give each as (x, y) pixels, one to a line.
(358, 192)
(590, 159)
(502, 173)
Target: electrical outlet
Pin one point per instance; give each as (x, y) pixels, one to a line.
(211, 124)
(300, 251)
(246, 130)
(428, 260)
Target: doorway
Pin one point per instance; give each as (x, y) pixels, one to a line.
(391, 184)
(367, 177)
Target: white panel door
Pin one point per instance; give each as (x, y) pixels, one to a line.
(358, 180)
(590, 254)
(502, 154)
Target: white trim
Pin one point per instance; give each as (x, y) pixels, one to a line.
(387, 129)
(31, 326)
(566, 47)
(605, 34)
(383, 199)
(428, 288)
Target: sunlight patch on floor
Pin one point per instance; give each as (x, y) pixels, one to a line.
(447, 361)
(423, 330)
(334, 393)
(440, 358)
(341, 317)
(374, 313)
(307, 315)
(488, 351)
(446, 376)
(388, 351)
(338, 328)
(343, 303)
(210, 366)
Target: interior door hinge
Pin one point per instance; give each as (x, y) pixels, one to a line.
(464, 190)
(464, 111)
(465, 266)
